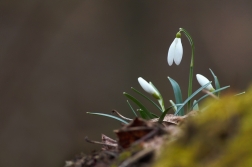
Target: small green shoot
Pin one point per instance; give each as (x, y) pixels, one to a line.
(216, 81)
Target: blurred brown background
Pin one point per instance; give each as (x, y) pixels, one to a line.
(61, 59)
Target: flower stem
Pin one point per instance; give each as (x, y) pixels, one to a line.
(191, 66)
(160, 100)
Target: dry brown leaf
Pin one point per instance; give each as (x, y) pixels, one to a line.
(134, 131)
(108, 141)
(171, 119)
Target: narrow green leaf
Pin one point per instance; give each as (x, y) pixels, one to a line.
(140, 105)
(131, 108)
(108, 115)
(143, 114)
(218, 90)
(216, 82)
(161, 118)
(154, 115)
(147, 98)
(190, 97)
(177, 93)
(195, 105)
(174, 106)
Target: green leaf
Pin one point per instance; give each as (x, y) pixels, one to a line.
(218, 90)
(174, 106)
(140, 105)
(190, 97)
(177, 93)
(143, 114)
(161, 118)
(195, 105)
(131, 108)
(147, 98)
(216, 81)
(108, 115)
(154, 115)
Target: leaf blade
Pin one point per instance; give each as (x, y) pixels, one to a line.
(195, 105)
(146, 98)
(131, 108)
(108, 115)
(138, 104)
(190, 97)
(217, 90)
(216, 82)
(161, 118)
(177, 93)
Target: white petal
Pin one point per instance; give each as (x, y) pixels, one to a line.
(178, 51)
(171, 53)
(203, 81)
(146, 86)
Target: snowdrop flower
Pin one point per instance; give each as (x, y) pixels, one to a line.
(203, 81)
(175, 51)
(148, 88)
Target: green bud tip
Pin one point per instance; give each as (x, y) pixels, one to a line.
(156, 96)
(178, 35)
(212, 90)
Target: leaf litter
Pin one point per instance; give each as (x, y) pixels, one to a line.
(137, 143)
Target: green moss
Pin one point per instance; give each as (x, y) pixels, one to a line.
(219, 137)
(124, 155)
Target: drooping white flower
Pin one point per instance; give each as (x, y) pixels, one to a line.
(203, 81)
(175, 51)
(148, 87)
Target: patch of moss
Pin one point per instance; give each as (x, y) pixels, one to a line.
(126, 154)
(221, 136)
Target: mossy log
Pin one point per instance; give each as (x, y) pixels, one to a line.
(221, 136)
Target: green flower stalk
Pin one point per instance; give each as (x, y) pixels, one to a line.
(191, 66)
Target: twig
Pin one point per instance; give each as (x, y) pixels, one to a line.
(123, 117)
(100, 143)
(210, 93)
